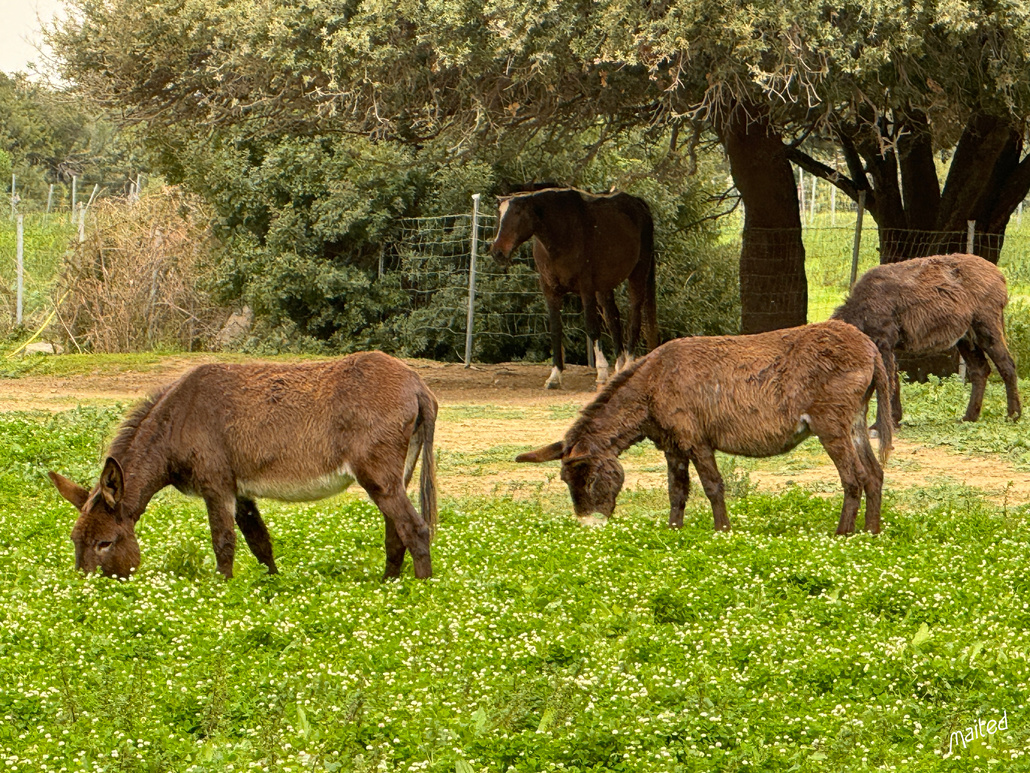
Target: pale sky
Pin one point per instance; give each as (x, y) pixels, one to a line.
(20, 32)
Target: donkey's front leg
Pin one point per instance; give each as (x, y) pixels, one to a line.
(220, 508)
(255, 532)
(711, 481)
(679, 486)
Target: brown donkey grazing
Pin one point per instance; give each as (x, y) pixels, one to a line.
(928, 305)
(588, 245)
(756, 395)
(233, 433)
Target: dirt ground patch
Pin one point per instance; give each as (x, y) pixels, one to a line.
(502, 409)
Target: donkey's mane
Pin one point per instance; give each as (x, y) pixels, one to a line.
(593, 411)
(131, 424)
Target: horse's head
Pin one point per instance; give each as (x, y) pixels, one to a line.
(104, 534)
(594, 478)
(514, 226)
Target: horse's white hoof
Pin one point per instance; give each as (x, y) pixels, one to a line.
(554, 380)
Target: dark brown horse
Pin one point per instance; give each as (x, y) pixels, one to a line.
(233, 433)
(929, 305)
(587, 245)
(756, 395)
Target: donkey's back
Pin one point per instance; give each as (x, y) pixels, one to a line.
(300, 431)
(929, 305)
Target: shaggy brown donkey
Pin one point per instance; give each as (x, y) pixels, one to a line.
(233, 433)
(929, 305)
(757, 395)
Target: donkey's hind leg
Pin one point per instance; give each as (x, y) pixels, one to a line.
(991, 338)
(255, 532)
(853, 476)
(411, 530)
(394, 550)
(873, 480)
(977, 369)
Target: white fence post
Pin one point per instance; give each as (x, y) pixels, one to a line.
(75, 181)
(858, 239)
(970, 236)
(14, 196)
(472, 280)
(20, 220)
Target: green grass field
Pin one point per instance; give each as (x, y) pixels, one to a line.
(539, 644)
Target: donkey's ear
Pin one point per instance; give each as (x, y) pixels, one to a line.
(69, 489)
(112, 484)
(578, 454)
(545, 454)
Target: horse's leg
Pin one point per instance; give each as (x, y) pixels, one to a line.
(977, 370)
(255, 532)
(614, 322)
(394, 550)
(641, 305)
(553, 301)
(220, 511)
(704, 462)
(392, 501)
(593, 324)
(679, 486)
(991, 338)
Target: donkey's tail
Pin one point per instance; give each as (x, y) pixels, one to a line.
(884, 389)
(427, 482)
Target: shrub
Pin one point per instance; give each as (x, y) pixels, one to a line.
(135, 283)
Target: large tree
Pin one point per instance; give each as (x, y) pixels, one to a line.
(893, 83)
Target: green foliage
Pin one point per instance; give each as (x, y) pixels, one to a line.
(49, 135)
(1017, 334)
(538, 645)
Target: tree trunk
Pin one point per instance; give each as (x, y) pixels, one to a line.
(894, 163)
(773, 285)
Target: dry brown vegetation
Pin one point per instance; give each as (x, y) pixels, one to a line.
(134, 283)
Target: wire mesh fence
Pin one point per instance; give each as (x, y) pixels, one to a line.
(431, 261)
(428, 267)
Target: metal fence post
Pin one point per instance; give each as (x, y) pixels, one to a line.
(858, 239)
(472, 280)
(20, 220)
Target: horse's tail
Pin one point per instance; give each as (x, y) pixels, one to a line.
(427, 408)
(650, 309)
(884, 389)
